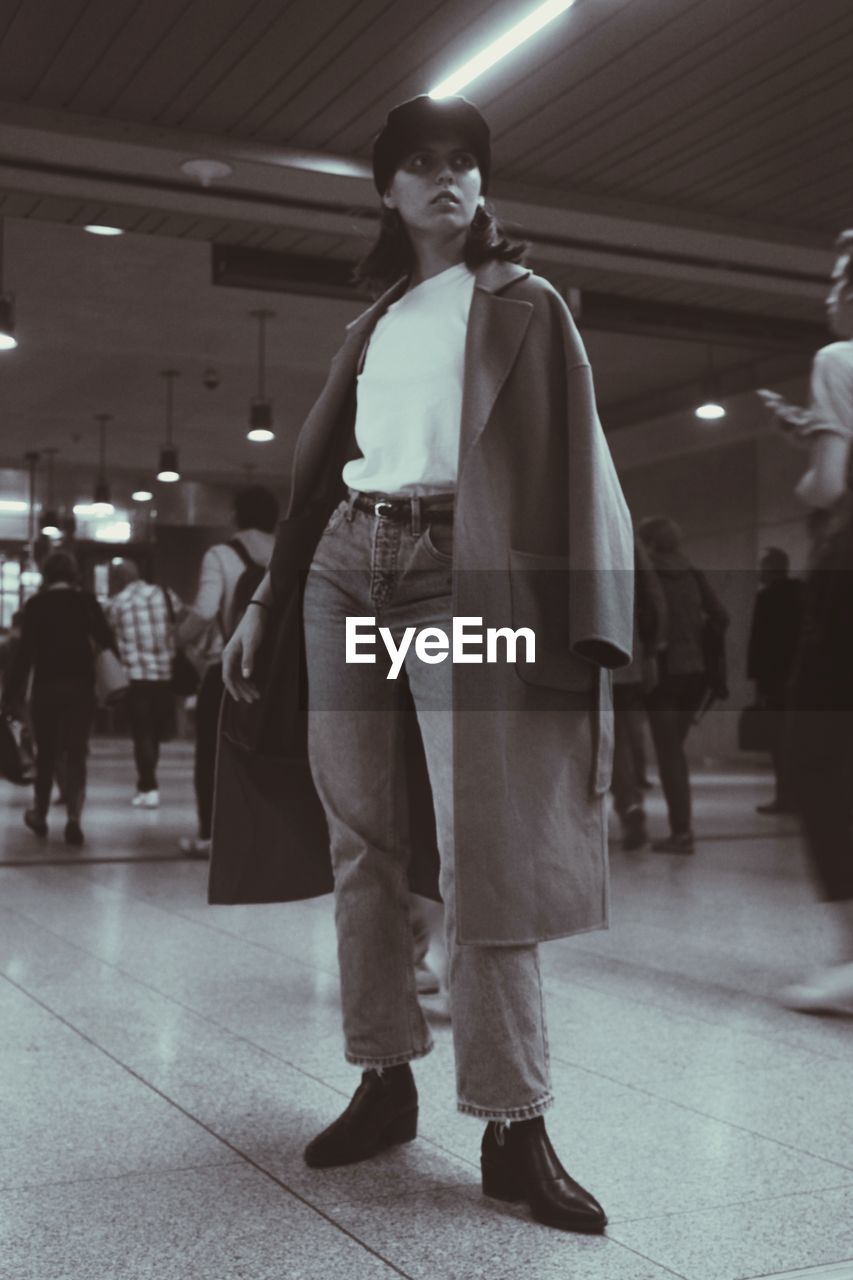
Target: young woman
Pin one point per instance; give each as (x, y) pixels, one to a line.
(456, 461)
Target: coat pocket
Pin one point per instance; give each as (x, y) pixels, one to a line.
(539, 589)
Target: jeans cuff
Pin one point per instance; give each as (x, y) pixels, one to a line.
(394, 1060)
(508, 1114)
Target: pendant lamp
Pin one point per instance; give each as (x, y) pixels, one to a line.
(710, 409)
(8, 341)
(260, 408)
(169, 471)
(50, 516)
(102, 505)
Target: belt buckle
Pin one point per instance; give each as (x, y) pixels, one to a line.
(377, 507)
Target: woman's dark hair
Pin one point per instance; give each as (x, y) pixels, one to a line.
(391, 256)
(256, 508)
(60, 566)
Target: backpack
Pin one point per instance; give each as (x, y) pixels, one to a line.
(247, 584)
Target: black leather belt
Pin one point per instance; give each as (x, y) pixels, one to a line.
(437, 510)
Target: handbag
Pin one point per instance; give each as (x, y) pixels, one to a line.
(111, 678)
(185, 678)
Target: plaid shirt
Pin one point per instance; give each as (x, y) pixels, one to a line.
(140, 620)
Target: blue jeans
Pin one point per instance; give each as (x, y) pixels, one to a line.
(401, 575)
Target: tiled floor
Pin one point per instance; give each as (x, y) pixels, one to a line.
(162, 1064)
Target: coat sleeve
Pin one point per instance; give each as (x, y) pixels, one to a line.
(601, 540)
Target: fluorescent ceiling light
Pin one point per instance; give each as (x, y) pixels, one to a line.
(96, 229)
(710, 411)
(94, 509)
(474, 67)
(319, 162)
(13, 506)
(116, 531)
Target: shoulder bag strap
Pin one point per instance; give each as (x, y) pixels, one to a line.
(236, 545)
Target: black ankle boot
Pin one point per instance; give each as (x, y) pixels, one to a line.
(521, 1164)
(383, 1112)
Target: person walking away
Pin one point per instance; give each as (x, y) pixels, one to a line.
(142, 621)
(456, 459)
(631, 686)
(62, 627)
(821, 702)
(774, 638)
(682, 681)
(230, 571)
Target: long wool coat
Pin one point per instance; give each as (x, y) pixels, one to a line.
(542, 539)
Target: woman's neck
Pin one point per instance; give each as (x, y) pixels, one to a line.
(432, 258)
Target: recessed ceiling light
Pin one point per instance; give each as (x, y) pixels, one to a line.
(498, 49)
(260, 435)
(710, 411)
(95, 229)
(142, 495)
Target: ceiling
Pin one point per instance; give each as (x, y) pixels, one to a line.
(683, 164)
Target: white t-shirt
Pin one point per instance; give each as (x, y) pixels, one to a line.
(409, 399)
(832, 389)
(221, 570)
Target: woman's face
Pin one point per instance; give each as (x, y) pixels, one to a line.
(436, 189)
(839, 303)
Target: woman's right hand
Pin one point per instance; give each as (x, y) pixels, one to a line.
(238, 656)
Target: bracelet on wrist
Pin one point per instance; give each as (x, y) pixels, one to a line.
(262, 603)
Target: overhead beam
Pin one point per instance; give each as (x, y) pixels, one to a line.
(612, 313)
(684, 398)
(138, 166)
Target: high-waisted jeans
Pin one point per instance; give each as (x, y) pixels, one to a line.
(400, 574)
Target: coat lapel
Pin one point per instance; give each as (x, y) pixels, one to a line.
(496, 329)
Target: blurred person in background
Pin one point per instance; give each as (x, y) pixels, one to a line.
(631, 686)
(9, 644)
(142, 620)
(62, 627)
(230, 571)
(821, 706)
(774, 637)
(682, 679)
